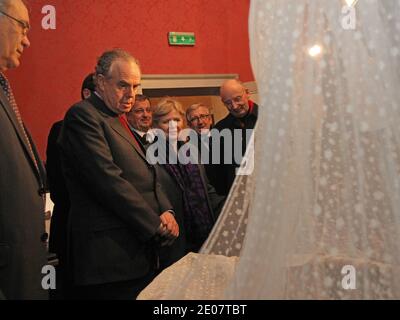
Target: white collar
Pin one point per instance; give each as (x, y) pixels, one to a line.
(140, 133)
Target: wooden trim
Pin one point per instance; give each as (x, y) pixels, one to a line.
(165, 81)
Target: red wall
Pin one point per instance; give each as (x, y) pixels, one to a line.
(49, 78)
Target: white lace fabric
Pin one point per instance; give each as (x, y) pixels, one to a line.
(205, 278)
(325, 193)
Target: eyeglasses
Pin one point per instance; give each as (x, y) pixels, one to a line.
(25, 25)
(201, 117)
(236, 99)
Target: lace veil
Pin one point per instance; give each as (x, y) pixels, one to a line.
(320, 216)
(324, 221)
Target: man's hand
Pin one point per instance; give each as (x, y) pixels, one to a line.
(169, 229)
(168, 220)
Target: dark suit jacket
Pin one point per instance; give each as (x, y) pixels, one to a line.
(170, 254)
(222, 176)
(22, 252)
(211, 170)
(115, 196)
(176, 191)
(58, 193)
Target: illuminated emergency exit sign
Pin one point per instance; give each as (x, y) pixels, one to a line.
(181, 38)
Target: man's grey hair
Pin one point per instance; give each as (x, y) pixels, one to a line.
(106, 60)
(195, 107)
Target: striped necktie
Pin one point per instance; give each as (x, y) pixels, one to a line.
(7, 89)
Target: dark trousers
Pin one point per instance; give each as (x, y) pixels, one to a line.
(123, 290)
(63, 281)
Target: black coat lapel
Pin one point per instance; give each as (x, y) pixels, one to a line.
(115, 123)
(117, 126)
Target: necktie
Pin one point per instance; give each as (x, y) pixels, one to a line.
(124, 122)
(10, 96)
(144, 140)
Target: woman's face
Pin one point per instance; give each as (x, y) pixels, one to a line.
(173, 121)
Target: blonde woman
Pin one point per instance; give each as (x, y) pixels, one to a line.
(201, 204)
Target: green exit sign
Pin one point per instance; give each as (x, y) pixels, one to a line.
(181, 38)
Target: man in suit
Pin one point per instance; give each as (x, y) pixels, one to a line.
(87, 88)
(59, 196)
(199, 118)
(22, 177)
(119, 212)
(140, 118)
(243, 113)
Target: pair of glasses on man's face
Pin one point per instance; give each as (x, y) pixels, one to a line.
(24, 25)
(237, 99)
(201, 117)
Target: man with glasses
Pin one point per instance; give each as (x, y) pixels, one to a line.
(242, 115)
(22, 178)
(199, 118)
(13, 33)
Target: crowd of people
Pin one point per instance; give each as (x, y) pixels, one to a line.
(118, 220)
(322, 200)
